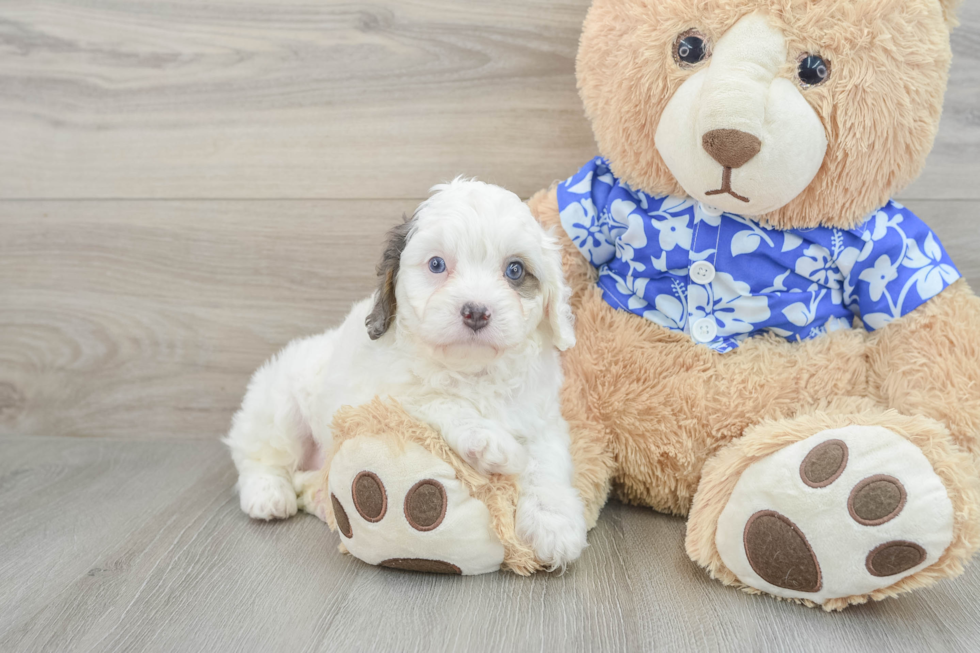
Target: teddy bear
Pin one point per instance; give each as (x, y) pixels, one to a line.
(767, 342)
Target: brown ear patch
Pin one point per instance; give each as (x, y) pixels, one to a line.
(894, 557)
(422, 564)
(824, 464)
(425, 505)
(343, 523)
(876, 500)
(385, 305)
(369, 495)
(778, 551)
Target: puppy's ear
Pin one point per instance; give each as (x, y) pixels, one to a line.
(383, 313)
(557, 309)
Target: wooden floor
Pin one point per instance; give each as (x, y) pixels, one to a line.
(187, 185)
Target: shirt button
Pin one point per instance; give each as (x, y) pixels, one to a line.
(709, 210)
(702, 272)
(705, 330)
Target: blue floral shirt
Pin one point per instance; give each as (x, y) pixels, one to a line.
(721, 277)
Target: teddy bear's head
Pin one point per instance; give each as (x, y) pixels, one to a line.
(801, 112)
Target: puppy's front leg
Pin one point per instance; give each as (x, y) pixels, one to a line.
(482, 443)
(550, 515)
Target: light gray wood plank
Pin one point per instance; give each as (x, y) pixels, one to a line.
(122, 545)
(190, 99)
(240, 99)
(133, 319)
(145, 319)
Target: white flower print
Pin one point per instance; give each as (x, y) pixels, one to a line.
(817, 266)
(799, 284)
(583, 186)
(620, 211)
(835, 323)
(778, 284)
(626, 245)
(881, 222)
(586, 230)
(746, 242)
(879, 276)
(802, 314)
(673, 231)
(670, 312)
(847, 259)
(730, 303)
(791, 242)
(933, 274)
(876, 320)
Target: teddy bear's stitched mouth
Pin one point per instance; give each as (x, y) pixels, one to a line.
(726, 186)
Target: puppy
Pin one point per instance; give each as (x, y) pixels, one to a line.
(464, 330)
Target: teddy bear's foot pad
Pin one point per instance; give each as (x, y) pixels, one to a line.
(404, 508)
(839, 514)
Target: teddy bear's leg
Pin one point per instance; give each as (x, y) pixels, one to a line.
(834, 507)
(403, 507)
(400, 497)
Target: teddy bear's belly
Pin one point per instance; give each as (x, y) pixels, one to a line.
(668, 404)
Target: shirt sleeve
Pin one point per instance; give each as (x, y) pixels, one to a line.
(897, 265)
(582, 201)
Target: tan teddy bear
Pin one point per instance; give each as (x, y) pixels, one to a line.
(766, 342)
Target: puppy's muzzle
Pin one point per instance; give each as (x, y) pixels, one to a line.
(475, 316)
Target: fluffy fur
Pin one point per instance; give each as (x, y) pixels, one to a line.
(491, 392)
(658, 420)
(954, 467)
(880, 107)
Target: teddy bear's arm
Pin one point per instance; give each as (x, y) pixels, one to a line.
(928, 363)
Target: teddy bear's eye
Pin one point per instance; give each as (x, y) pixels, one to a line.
(690, 48)
(813, 70)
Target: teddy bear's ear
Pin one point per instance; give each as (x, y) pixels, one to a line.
(949, 11)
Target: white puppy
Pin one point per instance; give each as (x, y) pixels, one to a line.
(464, 331)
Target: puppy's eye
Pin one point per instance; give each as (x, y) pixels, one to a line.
(813, 70)
(691, 48)
(437, 265)
(515, 271)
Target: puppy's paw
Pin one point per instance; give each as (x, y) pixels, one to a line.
(265, 496)
(552, 522)
(491, 450)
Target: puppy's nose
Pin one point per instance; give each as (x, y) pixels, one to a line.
(730, 147)
(475, 316)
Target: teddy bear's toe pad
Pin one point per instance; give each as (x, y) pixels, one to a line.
(404, 508)
(841, 513)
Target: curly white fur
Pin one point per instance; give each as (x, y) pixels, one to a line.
(493, 393)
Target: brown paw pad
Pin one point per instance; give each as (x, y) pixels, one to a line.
(370, 498)
(343, 522)
(895, 557)
(876, 500)
(422, 564)
(425, 505)
(824, 464)
(778, 551)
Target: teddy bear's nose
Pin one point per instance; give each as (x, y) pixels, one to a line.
(730, 147)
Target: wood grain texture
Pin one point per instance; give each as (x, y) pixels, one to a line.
(243, 98)
(133, 312)
(334, 99)
(145, 319)
(121, 545)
